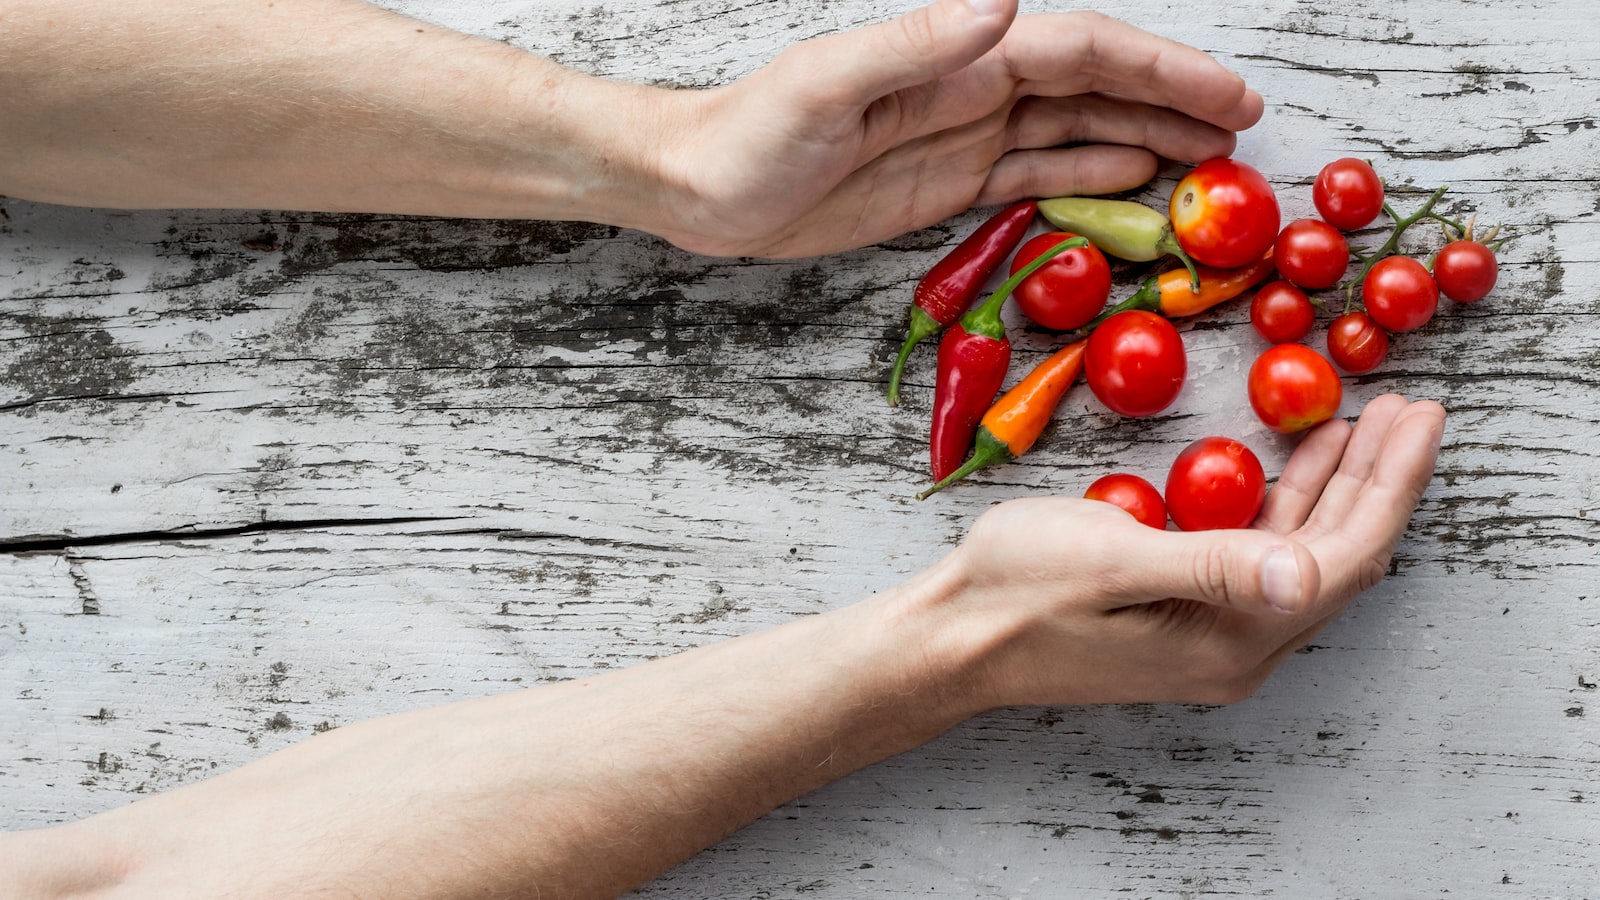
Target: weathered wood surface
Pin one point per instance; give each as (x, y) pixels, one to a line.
(262, 474)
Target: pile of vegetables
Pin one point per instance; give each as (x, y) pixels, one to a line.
(1223, 228)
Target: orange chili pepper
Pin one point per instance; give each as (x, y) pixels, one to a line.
(1172, 295)
(1016, 420)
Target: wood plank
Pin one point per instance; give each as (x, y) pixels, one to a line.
(266, 473)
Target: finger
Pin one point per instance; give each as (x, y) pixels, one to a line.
(1126, 60)
(1038, 122)
(1304, 478)
(1372, 427)
(854, 69)
(1089, 170)
(1382, 510)
(1245, 570)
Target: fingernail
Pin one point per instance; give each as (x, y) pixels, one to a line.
(1280, 580)
(986, 8)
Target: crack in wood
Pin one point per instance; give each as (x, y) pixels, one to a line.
(62, 543)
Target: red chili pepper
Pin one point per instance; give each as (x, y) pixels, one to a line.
(973, 358)
(950, 286)
(1015, 421)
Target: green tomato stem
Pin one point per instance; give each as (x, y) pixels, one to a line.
(1400, 225)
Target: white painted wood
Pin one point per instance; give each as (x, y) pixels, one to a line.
(580, 449)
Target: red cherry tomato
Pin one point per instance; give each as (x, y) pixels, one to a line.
(1067, 291)
(1216, 482)
(1134, 363)
(1356, 343)
(1135, 495)
(1282, 313)
(1399, 294)
(1466, 271)
(1311, 253)
(1293, 388)
(1348, 194)
(1224, 213)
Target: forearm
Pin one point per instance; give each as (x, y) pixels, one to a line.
(580, 789)
(330, 105)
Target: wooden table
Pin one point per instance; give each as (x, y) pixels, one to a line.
(265, 474)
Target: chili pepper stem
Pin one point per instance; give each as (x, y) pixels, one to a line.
(922, 326)
(988, 450)
(985, 320)
(1148, 297)
(1169, 244)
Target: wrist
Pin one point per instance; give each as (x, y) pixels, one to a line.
(949, 652)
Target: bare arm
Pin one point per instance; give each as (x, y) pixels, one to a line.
(590, 787)
(840, 142)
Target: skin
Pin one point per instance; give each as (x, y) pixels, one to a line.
(839, 142)
(590, 787)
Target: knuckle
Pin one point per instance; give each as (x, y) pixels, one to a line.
(1211, 574)
(916, 36)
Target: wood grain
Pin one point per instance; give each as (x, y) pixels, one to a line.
(263, 474)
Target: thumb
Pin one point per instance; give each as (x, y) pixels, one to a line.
(860, 66)
(1250, 571)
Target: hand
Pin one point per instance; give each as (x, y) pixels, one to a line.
(1094, 607)
(848, 140)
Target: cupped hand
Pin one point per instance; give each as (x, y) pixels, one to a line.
(851, 139)
(1093, 607)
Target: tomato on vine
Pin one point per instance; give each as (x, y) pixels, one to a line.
(1134, 363)
(1282, 313)
(1293, 388)
(1224, 213)
(1137, 497)
(1067, 291)
(1348, 194)
(1311, 253)
(1399, 294)
(1466, 270)
(1216, 482)
(1356, 343)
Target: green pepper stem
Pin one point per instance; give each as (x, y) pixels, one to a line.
(988, 450)
(1147, 297)
(1168, 243)
(922, 326)
(985, 320)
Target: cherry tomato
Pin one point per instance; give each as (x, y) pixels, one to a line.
(1224, 213)
(1216, 482)
(1399, 294)
(1066, 292)
(1356, 343)
(1134, 363)
(1293, 388)
(1282, 313)
(1465, 271)
(1135, 495)
(1311, 253)
(1348, 194)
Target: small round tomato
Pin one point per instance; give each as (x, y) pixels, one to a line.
(1134, 363)
(1282, 313)
(1216, 482)
(1356, 343)
(1293, 388)
(1224, 213)
(1066, 292)
(1311, 253)
(1139, 498)
(1348, 194)
(1465, 271)
(1399, 294)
